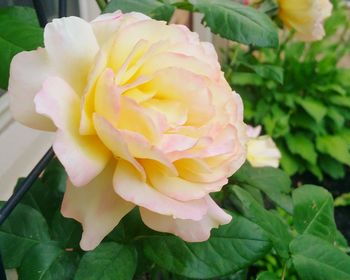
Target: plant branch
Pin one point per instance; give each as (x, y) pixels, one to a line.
(102, 4)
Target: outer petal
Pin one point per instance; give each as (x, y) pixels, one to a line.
(84, 157)
(177, 187)
(130, 187)
(188, 230)
(96, 206)
(27, 73)
(71, 46)
(106, 25)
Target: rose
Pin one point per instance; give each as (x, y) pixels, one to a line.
(144, 117)
(261, 150)
(305, 16)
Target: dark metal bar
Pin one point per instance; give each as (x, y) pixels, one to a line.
(62, 8)
(2, 270)
(9, 205)
(40, 12)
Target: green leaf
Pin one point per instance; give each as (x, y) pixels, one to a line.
(19, 31)
(229, 249)
(335, 146)
(237, 22)
(289, 162)
(48, 262)
(240, 275)
(152, 8)
(45, 199)
(130, 228)
(313, 107)
(332, 167)
(23, 229)
(336, 116)
(316, 259)
(271, 223)
(270, 72)
(55, 176)
(340, 100)
(21, 14)
(301, 145)
(272, 181)
(342, 200)
(313, 212)
(267, 275)
(66, 231)
(242, 79)
(108, 261)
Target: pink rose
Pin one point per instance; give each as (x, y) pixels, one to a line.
(144, 117)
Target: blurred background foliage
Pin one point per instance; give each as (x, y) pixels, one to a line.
(301, 96)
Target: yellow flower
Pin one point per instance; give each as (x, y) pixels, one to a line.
(306, 17)
(261, 150)
(144, 118)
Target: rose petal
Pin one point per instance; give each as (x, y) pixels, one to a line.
(71, 46)
(83, 157)
(192, 92)
(177, 187)
(114, 141)
(96, 206)
(128, 184)
(188, 230)
(27, 73)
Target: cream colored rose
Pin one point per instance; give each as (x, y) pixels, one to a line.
(306, 17)
(261, 150)
(144, 117)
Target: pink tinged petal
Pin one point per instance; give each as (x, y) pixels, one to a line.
(96, 206)
(140, 148)
(223, 141)
(192, 92)
(71, 46)
(27, 73)
(83, 157)
(106, 25)
(114, 141)
(149, 30)
(129, 185)
(176, 142)
(188, 230)
(176, 187)
(253, 132)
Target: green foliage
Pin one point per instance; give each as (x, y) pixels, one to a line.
(45, 245)
(19, 31)
(108, 261)
(316, 259)
(237, 22)
(226, 18)
(304, 237)
(229, 249)
(306, 113)
(153, 8)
